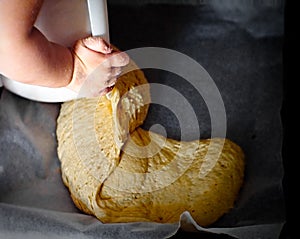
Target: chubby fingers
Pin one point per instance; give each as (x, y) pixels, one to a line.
(117, 59)
(94, 51)
(113, 58)
(97, 44)
(97, 66)
(114, 72)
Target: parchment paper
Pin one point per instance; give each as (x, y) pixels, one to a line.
(242, 55)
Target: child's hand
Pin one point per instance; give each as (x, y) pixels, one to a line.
(94, 55)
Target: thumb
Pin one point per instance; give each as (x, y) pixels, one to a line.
(97, 44)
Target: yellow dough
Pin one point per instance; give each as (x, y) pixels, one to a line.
(119, 172)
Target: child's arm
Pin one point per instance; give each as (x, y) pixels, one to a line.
(27, 56)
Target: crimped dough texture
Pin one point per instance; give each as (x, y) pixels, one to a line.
(120, 172)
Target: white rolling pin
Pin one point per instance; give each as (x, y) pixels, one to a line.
(64, 22)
